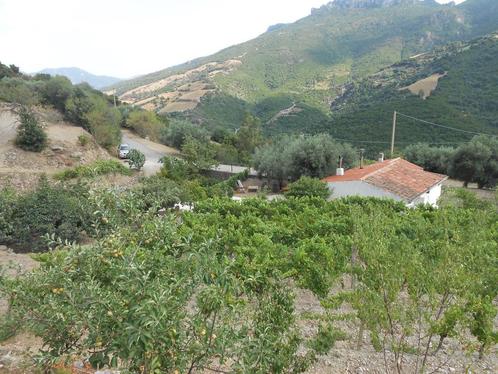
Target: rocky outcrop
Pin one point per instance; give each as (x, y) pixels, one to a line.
(366, 4)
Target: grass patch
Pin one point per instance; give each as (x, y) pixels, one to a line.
(95, 169)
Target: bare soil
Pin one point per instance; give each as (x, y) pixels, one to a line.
(424, 87)
(21, 169)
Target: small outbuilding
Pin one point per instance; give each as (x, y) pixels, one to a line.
(397, 179)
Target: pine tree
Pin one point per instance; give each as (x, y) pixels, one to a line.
(30, 136)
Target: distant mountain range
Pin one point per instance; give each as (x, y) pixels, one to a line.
(77, 75)
(308, 75)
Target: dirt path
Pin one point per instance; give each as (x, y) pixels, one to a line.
(8, 126)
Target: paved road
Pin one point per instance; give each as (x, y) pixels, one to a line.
(153, 151)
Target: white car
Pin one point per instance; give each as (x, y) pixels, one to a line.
(123, 150)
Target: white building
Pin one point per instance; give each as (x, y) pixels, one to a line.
(397, 179)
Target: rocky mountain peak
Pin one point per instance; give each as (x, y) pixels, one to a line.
(362, 4)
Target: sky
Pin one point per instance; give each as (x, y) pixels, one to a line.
(126, 38)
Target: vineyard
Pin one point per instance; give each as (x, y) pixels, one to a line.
(215, 290)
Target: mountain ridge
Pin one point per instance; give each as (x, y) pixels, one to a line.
(77, 75)
(305, 65)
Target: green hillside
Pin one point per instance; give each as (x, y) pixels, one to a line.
(290, 75)
(465, 98)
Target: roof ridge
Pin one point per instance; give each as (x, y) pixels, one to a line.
(390, 163)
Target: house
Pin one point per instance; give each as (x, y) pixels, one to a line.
(397, 179)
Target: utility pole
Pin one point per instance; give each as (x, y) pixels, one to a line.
(394, 134)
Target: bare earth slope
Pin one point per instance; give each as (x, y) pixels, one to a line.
(21, 169)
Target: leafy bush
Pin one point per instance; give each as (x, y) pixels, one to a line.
(104, 125)
(18, 91)
(170, 294)
(308, 187)
(83, 140)
(30, 136)
(476, 162)
(175, 168)
(435, 159)
(56, 91)
(145, 123)
(159, 192)
(295, 156)
(178, 131)
(95, 169)
(58, 211)
(136, 159)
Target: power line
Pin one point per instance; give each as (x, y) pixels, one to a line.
(444, 127)
(384, 142)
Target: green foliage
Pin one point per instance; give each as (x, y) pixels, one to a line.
(315, 156)
(104, 124)
(136, 159)
(9, 71)
(95, 169)
(312, 62)
(160, 192)
(145, 123)
(18, 91)
(56, 91)
(83, 140)
(435, 159)
(308, 187)
(80, 104)
(249, 135)
(178, 131)
(30, 136)
(325, 339)
(58, 211)
(476, 162)
(175, 168)
(183, 292)
(199, 155)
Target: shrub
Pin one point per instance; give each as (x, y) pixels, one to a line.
(136, 159)
(56, 91)
(435, 159)
(30, 136)
(97, 168)
(145, 123)
(308, 187)
(83, 140)
(159, 192)
(294, 156)
(178, 132)
(476, 161)
(104, 125)
(175, 168)
(58, 211)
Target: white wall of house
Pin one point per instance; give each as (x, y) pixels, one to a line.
(358, 188)
(430, 197)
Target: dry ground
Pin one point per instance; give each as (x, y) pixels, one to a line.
(21, 169)
(345, 357)
(424, 87)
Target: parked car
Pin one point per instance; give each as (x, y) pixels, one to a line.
(123, 150)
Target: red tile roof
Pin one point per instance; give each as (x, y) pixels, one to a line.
(397, 176)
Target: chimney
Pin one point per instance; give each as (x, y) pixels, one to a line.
(381, 157)
(340, 170)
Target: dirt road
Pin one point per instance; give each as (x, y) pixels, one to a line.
(8, 125)
(153, 151)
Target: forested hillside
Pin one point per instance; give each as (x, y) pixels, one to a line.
(462, 94)
(290, 75)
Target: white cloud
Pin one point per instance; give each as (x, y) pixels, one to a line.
(130, 37)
